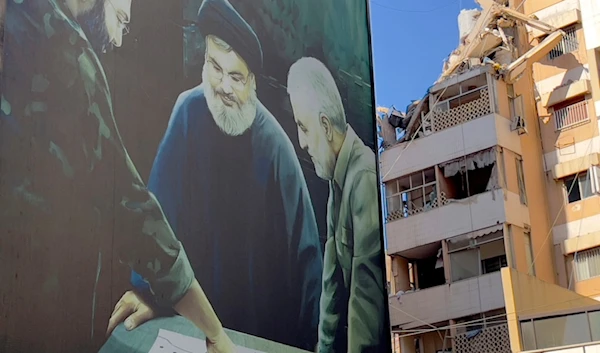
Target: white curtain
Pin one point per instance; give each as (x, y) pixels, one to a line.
(474, 161)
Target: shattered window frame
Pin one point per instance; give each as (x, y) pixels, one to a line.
(403, 194)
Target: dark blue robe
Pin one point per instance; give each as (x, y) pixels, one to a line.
(242, 210)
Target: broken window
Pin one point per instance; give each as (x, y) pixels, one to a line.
(470, 175)
(430, 271)
(578, 187)
(516, 103)
(426, 266)
(477, 253)
(412, 193)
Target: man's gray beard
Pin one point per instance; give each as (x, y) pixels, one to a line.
(234, 120)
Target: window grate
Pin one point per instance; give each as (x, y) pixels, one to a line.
(568, 44)
(587, 264)
(571, 115)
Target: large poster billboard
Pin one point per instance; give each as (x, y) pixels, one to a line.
(188, 175)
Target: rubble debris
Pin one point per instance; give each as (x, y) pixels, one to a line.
(485, 39)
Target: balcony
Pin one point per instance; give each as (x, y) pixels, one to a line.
(456, 217)
(572, 115)
(461, 109)
(453, 198)
(454, 142)
(449, 301)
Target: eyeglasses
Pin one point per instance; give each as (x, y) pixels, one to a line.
(237, 81)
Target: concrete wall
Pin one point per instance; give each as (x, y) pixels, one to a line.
(452, 301)
(590, 13)
(537, 201)
(459, 217)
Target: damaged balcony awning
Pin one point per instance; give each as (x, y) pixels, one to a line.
(478, 233)
(474, 161)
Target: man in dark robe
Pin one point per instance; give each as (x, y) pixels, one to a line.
(232, 187)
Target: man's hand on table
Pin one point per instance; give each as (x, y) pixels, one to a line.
(132, 309)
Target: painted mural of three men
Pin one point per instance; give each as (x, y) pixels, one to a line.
(226, 185)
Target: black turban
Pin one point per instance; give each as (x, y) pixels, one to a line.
(219, 18)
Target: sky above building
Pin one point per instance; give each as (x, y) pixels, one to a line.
(411, 39)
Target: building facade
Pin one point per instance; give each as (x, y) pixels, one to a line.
(496, 167)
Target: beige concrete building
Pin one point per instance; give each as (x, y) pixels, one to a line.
(492, 188)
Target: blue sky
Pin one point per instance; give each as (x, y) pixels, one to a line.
(410, 41)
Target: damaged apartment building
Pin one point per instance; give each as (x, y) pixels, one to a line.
(490, 169)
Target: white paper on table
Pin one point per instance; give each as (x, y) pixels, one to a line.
(173, 342)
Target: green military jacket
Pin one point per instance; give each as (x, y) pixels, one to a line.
(57, 115)
(353, 298)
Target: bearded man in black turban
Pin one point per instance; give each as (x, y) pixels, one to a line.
(232, 188)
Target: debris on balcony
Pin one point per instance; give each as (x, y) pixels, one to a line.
(393, 123)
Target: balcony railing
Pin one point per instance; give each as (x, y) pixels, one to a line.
(445, 119)
(571, 115)
(439, 201)
(491, 339)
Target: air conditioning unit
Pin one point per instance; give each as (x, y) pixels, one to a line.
(518, 124)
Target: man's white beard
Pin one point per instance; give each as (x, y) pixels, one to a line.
(233, 120)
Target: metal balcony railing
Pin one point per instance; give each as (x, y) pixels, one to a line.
(571, 115)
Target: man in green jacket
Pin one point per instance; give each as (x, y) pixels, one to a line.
(69, 190)
(353, 312)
